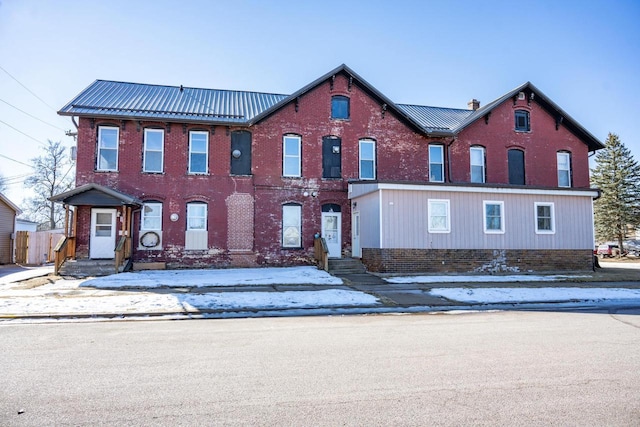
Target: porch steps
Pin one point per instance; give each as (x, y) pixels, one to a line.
(343, 266)
(83, 267)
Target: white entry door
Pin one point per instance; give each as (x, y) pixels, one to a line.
(356, 250)
(103, 233)
(332, 233)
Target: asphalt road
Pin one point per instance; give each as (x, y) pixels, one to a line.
(489, 368)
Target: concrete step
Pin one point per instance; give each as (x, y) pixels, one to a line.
(82, 268)
(341, 266)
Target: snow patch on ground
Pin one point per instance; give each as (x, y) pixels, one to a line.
(523, 295)
(480, 279)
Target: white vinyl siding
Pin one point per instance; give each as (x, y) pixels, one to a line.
(367, 156)
(153, 150)
(291, 156)
(107, 159)
(545, 218)
(439, 216)
(436, 163)
(198, 152)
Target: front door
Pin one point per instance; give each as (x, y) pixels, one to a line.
(356, 251)
(103, 233)
(331, 231)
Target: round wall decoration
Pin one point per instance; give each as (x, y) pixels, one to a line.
(150, 239)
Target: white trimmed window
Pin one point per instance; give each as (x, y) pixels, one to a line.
(545, 218)
(153, 150)
(291, 147)
(291, 226)
(477, 158)
(564, 169)
(198, 152)
(493, 213)
(436, 163)
(197, 216)
(151, 216)
(367, 155)
(438, 211)
(107, 159)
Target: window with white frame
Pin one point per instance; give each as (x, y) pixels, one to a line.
(438, 211)
(367, 155)
(197, 216)
(291, 148)
(564, 169)
(151, 216)
(107, 159)
(493, 217)
(545, 218)
(477, 158)
(198, 152)
(436, 163)
(153, 150)
(291, 226)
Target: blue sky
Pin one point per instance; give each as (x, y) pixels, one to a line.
(584, 55)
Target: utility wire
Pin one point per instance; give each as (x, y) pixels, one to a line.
(28, 136)
(14, 160)
(28, 90)
(32, 116)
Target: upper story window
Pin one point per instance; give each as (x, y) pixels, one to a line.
(545, 218)
(522, 121)
(339, 107)
(478, 170)
(291, 150)
(151, 216)
(564, 169)
(153, 150)
(367, 157)
(439, 216)
(515, 160)
(436, 163)
(493, 217)
(107, 159)
(198, 152)
(291, 226)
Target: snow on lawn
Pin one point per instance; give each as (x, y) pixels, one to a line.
(479, 279)
(144, 302)
(519, 295)
(217, 277)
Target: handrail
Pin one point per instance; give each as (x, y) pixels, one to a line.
(321, 253)
(122, 251)
(61, 253)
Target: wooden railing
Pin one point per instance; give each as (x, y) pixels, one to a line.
(122, 251)
(66, 248)
(321, 253)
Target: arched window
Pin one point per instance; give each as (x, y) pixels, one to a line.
(291, 225)
(477, 159)
(515, 159)
(339, 107)
(522, 121)
(564, 168)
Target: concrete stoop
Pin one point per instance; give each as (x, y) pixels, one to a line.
(342, 266)
(82, 268)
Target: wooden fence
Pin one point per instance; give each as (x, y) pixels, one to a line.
(36, 247)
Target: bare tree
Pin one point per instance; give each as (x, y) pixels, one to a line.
(52, 175)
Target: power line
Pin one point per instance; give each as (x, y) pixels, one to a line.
(14, 160)
(32, 116)
(28, 136)
(28, 90)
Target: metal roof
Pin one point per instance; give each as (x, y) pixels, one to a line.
(436, 118)
(105, 98)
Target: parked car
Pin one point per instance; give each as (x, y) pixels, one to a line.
(632, 247)
(608, 250)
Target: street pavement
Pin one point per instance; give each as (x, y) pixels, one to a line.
(391, 297)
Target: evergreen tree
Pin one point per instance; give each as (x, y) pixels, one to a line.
(52, 175)
(617, 175)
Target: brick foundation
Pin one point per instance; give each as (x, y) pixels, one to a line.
(476, 260)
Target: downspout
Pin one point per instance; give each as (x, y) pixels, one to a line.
(453, 139)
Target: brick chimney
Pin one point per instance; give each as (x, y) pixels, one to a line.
(474, 104)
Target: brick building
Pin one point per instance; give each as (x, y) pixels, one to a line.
(202, 177)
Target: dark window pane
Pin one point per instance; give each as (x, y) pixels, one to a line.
(339, 107)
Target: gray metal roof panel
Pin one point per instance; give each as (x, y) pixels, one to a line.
(436, 118)
(121, 99)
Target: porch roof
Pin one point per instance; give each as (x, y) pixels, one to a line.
(95, 195)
